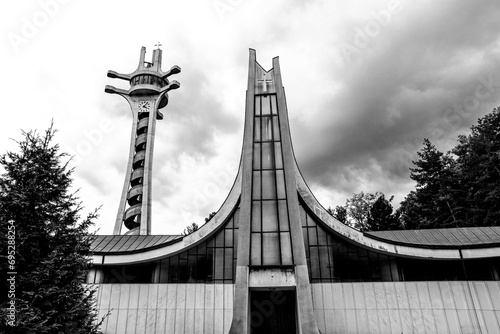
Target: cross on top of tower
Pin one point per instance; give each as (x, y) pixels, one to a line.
(264, 81)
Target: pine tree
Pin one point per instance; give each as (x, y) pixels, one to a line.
(52, 248)
(433, 203)
(381, 216)
(478, 156)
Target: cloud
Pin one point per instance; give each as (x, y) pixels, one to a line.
(356, 122)
(397, 94)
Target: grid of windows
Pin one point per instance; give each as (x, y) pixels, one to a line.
(212, 261)
(333, 259)
(270, 228)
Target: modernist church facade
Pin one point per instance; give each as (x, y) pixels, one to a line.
(272, 260)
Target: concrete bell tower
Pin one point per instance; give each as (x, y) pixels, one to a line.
(147, 94)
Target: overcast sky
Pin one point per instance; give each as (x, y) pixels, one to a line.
(366, 82)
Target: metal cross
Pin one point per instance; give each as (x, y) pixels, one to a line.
(158, 45)
(264, 82)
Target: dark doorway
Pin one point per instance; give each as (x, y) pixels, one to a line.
(272, 312)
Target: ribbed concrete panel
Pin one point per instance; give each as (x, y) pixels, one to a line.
(166, 308)
(408, 307)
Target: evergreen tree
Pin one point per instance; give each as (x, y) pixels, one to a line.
(478, 156)
(52, 249)
(432, 204)
(460, 188)
(381, 216)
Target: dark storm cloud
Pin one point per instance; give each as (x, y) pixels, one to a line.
(195, 115)
(401, 89)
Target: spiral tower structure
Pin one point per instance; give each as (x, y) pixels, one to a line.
(147, 94)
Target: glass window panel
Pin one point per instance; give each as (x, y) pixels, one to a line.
(173, 270)
(362, 252)
(256, 156)
(256, 185)
(277, 152)
(235, 241)
(219, 263)
(219, 239)
(183, 256)
(271, 248)
(315, 271)
(164, 266)
(394, 270)
(324, 263)
(286, 249)
(192, 268)
(268, 184)
(306, 241)
(183, 270)
(228, 237)
(256, 129)
(385, 268)
(202, 269)
(236, 218)
(202, 248)
(310, 220)
(273, 105)
(313, 240)
(280, 183)
(230, 222)
(255, 252)
(266, 105)
(256, 222)
(210, 243)
(276, 128)
(267, 128)
(257, 105)
(302, 215)
(374, 266)
(209, 265)
(283, 215)
(321, 237)
(269, 216)
(267, 156)
(228, 263)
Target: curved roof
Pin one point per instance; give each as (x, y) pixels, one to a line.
(465, 237)
(130, 243)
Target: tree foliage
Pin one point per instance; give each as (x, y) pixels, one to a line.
(367, 212)
(52, 248)
(460, 188)
(340, 213)
(381, 216)
(195, 227)
(190, 229)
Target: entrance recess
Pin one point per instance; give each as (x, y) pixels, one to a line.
(273, 312)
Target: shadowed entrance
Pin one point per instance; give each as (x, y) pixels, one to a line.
(273, 312)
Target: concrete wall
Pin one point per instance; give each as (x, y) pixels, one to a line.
(391, 307)
(166, 308)
(408, 307)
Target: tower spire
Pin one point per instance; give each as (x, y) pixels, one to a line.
(147, 94)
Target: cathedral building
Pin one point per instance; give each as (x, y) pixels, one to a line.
(272, 260)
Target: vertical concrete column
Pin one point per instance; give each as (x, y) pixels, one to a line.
(240, 323)
(305, 313)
